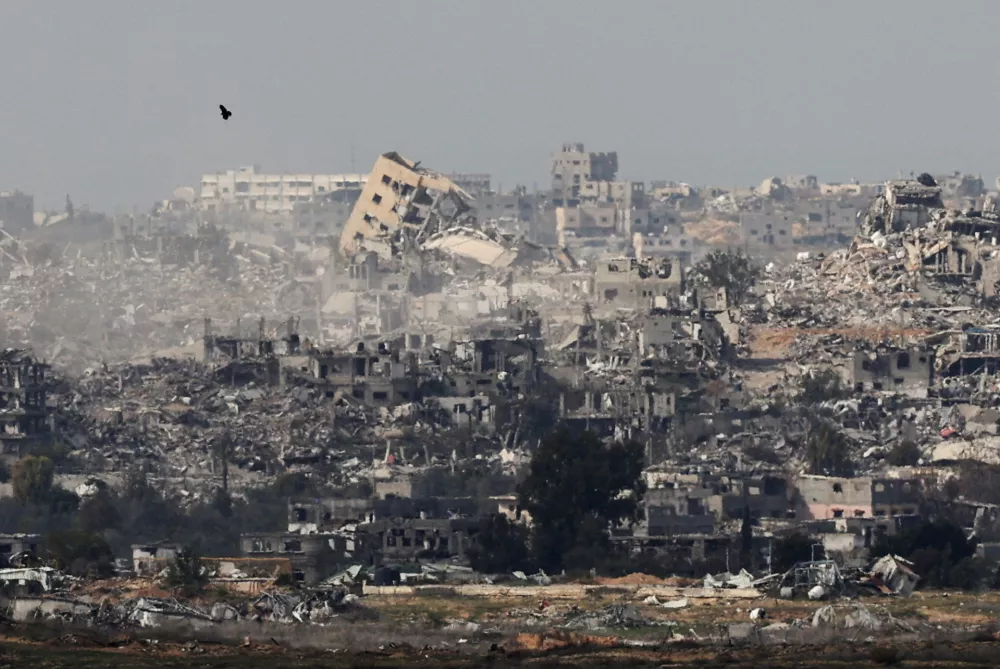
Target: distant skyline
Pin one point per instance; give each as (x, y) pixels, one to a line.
(116, 102)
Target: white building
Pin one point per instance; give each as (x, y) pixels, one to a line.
(246, 188)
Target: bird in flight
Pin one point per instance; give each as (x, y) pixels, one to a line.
(225, 112)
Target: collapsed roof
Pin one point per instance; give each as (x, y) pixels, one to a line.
(405, 206)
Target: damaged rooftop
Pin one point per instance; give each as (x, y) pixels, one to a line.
(784, 396)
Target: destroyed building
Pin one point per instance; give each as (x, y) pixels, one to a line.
(326, 534)
(312, 557)
(630, 282)
(702, 504)
(23, 409)
(14, 548)
(476, 184)
(250, 355)
(904, 205)
(381, 377)
(151, 559)
(402, 201)
(576, 172)
(909, 371)
(827, 497)
(405, 208)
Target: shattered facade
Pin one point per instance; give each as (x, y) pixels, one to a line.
(23, 409)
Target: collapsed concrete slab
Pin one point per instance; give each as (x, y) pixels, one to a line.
(405, 206)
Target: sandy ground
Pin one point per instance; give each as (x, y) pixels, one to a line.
(967, 638)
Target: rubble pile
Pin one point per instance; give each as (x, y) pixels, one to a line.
(316, 608)
(914, 264)
(86, 311)
(177, 414)
(183, 418)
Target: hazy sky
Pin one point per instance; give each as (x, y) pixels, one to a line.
(115, 102)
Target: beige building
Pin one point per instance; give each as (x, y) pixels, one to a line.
(637, 283)
(578, 174)
(399, 193)
(248, 189)
(592, 220)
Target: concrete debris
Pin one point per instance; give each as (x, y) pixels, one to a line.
(892, 573)
(857, 617)
(404, 206)
(318, 607)
(652, 600)
(676, 604)
(614, 616)
(743, 580)
(410, 362)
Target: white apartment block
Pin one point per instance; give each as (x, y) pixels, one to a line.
(248, 189)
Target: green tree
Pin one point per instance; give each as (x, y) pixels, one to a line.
(222, 502)
(821, 386)
(732, 270)
(82, 554)
(32, 479)
(827, 450)
(501, 546)
(904, 454)
(788, 551)
(99, 512)
(941, 554)
(186, 573)
(575, 490)
(62, 501)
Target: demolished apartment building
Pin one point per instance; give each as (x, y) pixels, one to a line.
(635, 283)
(23, 411)
(380, 377)
(169, 241)
(678, 503)
(465, 383)
(628, 373)
(881, 498)
(970, 351)
(404, 206)
(928, 276)
(904, 205)
(242, 357)
(945, 246)
(905, 371)
(325, 535)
